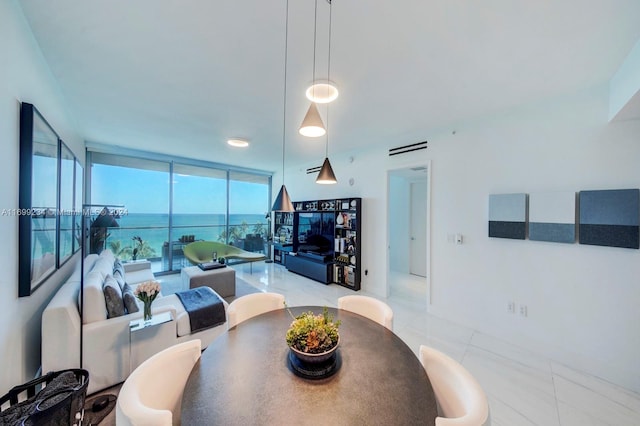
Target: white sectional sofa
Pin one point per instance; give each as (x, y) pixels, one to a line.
(106, 341)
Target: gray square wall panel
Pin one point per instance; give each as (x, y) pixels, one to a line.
(610, 218)
(508, 216)
(552, 217)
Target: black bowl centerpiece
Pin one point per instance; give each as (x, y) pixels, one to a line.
(313, 342)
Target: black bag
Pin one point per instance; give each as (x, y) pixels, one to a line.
(59, 401)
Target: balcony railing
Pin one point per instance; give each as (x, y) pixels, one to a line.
(166, 255)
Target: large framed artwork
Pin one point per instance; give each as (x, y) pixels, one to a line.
(37, 200)
(50, 193)
(610, 218)
(552, 217)
(508, 216)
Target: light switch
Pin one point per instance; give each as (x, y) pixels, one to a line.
(458, 238)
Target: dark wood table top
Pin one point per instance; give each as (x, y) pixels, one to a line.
(243, 378)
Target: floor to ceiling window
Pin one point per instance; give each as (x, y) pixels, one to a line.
(165, 204)
(199, 207)
(248, 211)
(137, 191)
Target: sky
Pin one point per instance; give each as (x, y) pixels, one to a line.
(147, 191)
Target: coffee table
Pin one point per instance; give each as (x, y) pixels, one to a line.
(222, 280)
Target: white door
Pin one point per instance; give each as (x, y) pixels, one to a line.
(418, 229)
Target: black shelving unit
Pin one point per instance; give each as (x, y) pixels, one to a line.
(282, 236)
(338, 258)
(347, 248)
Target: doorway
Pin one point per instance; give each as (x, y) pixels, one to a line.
(408, 233)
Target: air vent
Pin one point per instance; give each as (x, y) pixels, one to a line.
(313, 170)
(407, 148)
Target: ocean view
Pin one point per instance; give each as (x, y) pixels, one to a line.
(153, 228)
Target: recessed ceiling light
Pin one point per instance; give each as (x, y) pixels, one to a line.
(322, 92)
(238, 142)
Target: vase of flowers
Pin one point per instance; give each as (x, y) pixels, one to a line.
(313, 338)
(147, 293)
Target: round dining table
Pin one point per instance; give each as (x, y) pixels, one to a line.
(244, 378)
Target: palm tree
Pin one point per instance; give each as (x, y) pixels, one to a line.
(123, 253)
(259, 229)
(236, 233)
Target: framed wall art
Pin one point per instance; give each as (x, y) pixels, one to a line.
(508, 216)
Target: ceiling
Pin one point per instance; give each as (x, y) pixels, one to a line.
(180, 77)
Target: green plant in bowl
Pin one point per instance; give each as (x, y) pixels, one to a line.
(313, 334)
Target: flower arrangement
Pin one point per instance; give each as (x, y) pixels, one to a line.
(313, 334)
(147, 292)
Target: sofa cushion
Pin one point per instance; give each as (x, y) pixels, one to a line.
(113, 297)
(108, 254)
(103, 266)
(139, 276)
(130, 303)
(94, 308)
(182, 317)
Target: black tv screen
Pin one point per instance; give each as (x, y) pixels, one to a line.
(315, 232)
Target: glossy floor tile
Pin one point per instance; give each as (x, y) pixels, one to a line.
(523, 388)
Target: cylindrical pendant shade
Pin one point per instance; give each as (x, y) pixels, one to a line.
(326, 176)
(312, 125)
(283, 202)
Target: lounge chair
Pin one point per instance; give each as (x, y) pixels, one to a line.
(202, 251)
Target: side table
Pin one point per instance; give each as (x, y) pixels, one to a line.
(147, 338)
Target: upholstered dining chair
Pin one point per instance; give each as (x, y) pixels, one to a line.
(152, 394)
(249, 306)
(369, 307)
(461, 401)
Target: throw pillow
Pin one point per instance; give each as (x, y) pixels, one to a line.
(119, 278)
(130, 302)
(113, 297)
(118, 267)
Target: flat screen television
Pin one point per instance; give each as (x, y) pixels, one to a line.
(315, 233)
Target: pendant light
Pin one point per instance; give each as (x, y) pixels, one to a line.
(312, 125)
(326, 175)
(283, 201)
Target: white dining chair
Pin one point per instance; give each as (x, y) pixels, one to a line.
(152, 394)
(374, 309)
(249, 306)
(461, 401)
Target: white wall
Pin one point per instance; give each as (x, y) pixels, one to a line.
(24, 77)
(582, 300)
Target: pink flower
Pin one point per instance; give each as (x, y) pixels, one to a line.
(147, 291)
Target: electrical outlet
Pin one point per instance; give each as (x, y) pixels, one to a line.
(511, 307)
(523, 310)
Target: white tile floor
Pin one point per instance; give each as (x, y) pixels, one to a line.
(523, 388)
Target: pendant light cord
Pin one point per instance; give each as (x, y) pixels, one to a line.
(326, 151)
(315, 29)
(284, 101)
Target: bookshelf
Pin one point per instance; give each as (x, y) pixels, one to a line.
(326, 244)
(282, 236)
